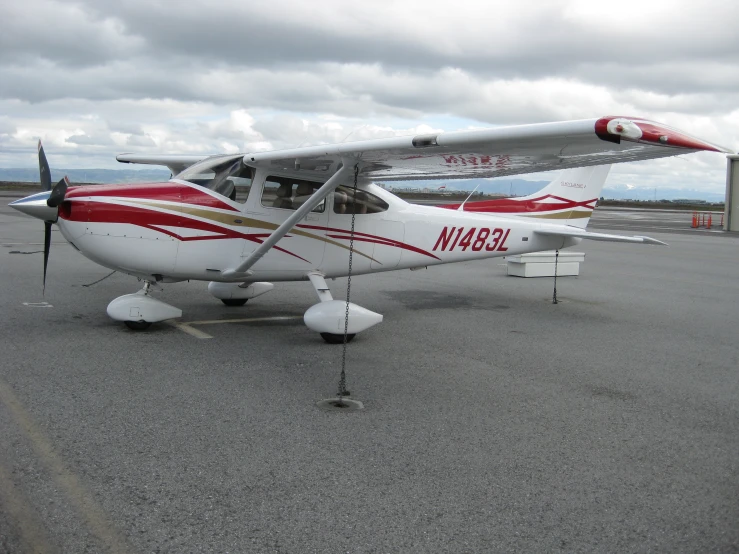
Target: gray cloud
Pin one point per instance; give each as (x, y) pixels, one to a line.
(6, 126)
(96, 77)
(682, 50)
(138, 140)
(88, 140)
(67, 33)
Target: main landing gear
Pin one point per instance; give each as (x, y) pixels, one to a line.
(328, 317)
(237, 294)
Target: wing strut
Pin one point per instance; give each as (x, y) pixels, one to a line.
(241, 270)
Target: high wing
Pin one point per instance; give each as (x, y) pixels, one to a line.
(494, 152)
(580, 233)
(176, 164)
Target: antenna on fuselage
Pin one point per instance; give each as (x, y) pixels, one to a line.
(461, 206)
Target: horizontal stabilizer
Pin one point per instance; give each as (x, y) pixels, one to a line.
(579, 233)
(176, 164)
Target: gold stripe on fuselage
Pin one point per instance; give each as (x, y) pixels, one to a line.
(237, 220)
(572, 214)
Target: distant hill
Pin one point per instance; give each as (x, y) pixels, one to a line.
(639, 193)
(507, 186)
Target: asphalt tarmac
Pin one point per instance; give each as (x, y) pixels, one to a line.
(494, 421)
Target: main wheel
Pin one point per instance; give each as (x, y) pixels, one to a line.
(333, 338)
(234, 301)
(138, 325)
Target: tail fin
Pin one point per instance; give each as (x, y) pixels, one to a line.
(568, 200)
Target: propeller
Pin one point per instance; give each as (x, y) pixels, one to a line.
(57, 193)
(43, 168)
(55, 199)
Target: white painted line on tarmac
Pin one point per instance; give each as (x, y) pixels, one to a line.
(197, 333)
(185, 328)
(38, 304)
(246, 320)
(100, 525)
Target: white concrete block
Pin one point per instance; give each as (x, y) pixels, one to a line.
(543, 269)
(547, 257)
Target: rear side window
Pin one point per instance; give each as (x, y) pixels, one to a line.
(345, 202)
(289, 194)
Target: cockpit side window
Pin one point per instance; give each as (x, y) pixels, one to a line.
(227, 176)
(345, 202)
(242, 185)
(289, 194)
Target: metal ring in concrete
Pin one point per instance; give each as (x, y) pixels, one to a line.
(340, 405)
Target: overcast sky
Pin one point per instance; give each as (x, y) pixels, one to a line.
(94, 78)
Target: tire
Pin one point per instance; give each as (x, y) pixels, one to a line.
(333, 338)
(234, 301)
(138, 325)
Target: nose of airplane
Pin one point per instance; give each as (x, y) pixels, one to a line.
(36, 206)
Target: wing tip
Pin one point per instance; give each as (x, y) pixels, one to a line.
(636, 129)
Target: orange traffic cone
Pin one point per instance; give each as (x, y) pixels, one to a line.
(708, 225)
(695, 220)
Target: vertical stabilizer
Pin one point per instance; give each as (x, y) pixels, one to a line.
(568, 200)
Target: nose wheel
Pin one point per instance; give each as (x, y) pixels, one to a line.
(138, 325)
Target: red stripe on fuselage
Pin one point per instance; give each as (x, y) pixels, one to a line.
(534, 205)
(167, 192)
(366, 237)
(101, 212)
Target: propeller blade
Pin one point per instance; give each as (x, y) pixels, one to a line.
(57, 193)
(43, 168)
(47, 247)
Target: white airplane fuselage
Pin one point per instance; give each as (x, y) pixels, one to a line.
(306, 205)
(178, 231)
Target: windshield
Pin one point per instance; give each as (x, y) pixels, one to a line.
(220, 174)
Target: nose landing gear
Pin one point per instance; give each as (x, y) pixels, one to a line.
(139, 310)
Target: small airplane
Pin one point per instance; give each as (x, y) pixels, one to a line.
(243, 221)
